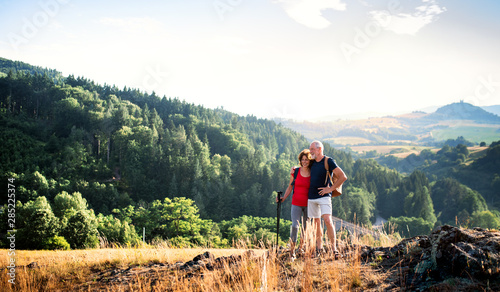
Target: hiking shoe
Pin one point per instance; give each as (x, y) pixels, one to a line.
(336, 255)
(319, 252)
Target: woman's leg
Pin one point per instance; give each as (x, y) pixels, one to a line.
(296, 213)
(303, 226)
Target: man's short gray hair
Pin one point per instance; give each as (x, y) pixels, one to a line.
(318, 144)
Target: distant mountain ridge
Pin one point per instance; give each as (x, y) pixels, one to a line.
(463, 111)
(494, 109)
(453, 113)
(450, 121)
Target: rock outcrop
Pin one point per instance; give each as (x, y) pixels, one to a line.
(467, 259)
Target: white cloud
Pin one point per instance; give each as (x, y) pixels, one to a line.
(133, 24)
(232, 45)
(409, 23)
(308, 12)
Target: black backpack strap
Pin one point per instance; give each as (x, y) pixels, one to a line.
(296, 172)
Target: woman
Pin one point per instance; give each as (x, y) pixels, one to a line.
(299, 183)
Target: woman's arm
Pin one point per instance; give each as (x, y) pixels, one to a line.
(288, 190)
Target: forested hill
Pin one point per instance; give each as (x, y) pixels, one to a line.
(72, 145)
(7, 66)
(119, 147)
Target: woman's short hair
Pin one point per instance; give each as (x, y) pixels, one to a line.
(305, 152)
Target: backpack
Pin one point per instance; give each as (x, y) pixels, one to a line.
(338, 191)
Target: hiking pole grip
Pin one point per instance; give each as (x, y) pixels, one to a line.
(278, 196)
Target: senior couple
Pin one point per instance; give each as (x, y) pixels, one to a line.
(312, 194)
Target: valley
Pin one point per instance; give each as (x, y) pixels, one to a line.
(405, 134)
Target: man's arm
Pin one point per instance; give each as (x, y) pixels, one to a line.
(341, 178)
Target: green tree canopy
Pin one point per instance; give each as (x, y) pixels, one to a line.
(36, 223)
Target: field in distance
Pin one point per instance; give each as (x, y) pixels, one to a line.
(402, 151)
(417, 128)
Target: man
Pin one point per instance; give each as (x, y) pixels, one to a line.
(320, 195)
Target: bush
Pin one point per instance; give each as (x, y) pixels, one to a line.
(485, 219)
(179, 242)
(116, 231)
(55, 243)
(409, 226)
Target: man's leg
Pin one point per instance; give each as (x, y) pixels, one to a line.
(319, 233)
(314, 212)
(330, 229)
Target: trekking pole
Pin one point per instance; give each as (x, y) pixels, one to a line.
(278, 196)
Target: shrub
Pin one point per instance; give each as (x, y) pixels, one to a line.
(179, 242)
(55, 242)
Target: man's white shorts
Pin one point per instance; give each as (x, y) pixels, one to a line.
(318, 207)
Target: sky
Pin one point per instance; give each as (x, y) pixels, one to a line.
(292, 59)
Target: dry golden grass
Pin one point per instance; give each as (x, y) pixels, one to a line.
(116, 255)
(56, 266)
(266, 270)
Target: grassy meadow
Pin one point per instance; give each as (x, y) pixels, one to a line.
(486, 133)
(400, 151)
(266, 270)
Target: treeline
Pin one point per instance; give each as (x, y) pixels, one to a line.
(7, 66)
(135, 159)
(67, 223)
(454, 161)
